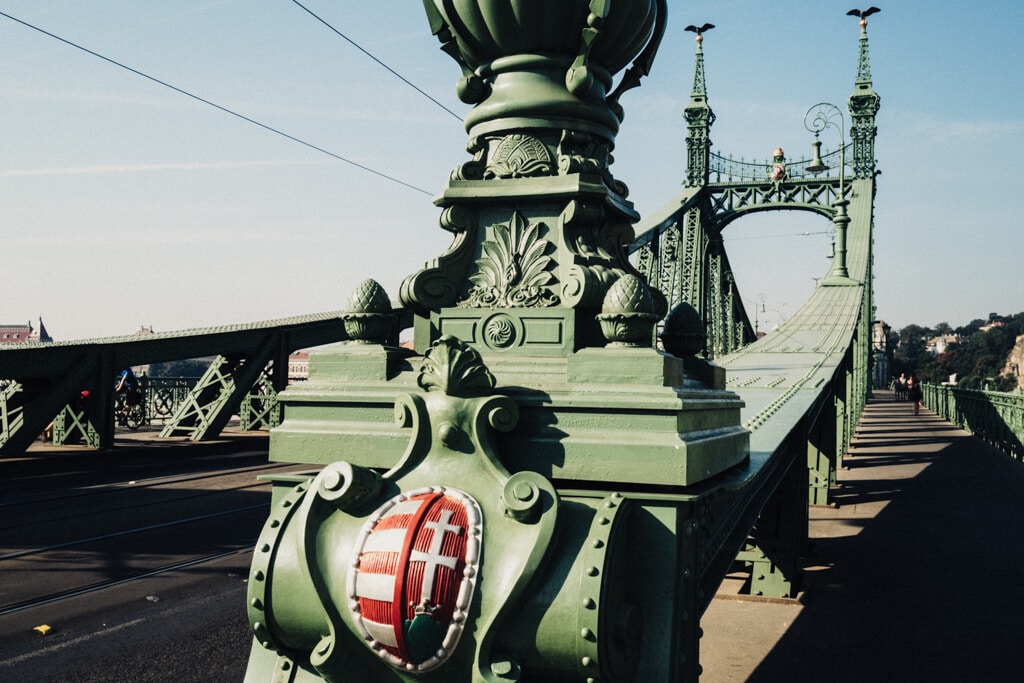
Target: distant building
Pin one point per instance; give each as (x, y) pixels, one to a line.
(15, 334)
(882, 364)
(298, 367)
(991, 325)
(940, 344)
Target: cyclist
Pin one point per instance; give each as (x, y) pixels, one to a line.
(131, 395)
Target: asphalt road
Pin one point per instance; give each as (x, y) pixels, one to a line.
(190, 626)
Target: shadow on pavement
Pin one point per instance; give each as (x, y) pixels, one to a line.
(916, 574)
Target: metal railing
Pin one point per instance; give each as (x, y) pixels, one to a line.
(163, 395)
(728, 169)
(995, 417)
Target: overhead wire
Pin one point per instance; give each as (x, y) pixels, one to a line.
(788, 234)
(243, 117)
(371, 56)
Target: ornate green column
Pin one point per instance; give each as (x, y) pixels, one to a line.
(479, 509)
(538, 218)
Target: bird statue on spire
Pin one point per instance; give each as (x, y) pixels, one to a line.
(863, 14)
(699, 30)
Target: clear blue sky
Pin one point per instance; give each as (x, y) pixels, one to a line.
(124, 203)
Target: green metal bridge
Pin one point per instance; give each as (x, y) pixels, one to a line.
(42, 382)
(802, 387)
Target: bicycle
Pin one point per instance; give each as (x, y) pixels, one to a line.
(133, 415)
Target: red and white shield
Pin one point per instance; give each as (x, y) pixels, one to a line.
(413, 575)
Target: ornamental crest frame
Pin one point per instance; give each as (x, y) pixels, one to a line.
(424, 546)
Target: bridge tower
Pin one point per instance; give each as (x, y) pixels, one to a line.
(681, 249)
(688, 262)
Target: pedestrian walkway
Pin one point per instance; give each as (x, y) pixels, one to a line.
(914, 575)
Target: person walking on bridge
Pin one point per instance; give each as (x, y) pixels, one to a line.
(899, 387)
(914, 394)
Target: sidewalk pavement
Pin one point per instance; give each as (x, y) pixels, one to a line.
(914, 575)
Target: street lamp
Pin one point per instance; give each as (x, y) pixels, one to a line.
(819, 117)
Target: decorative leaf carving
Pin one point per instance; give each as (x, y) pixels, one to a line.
(515, 270)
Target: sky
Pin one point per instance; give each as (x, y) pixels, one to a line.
(125, 203)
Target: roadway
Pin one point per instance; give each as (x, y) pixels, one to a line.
(912, 575)
(135, 558)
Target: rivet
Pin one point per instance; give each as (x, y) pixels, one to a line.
(589, 603)
(265, 548)
(586, 633)
(592, 571)
(258, 576)
(257, 603)
(597, 543)
(602, 521)
(332, 480)
(523, 491)
(274, 524)
(586, 661)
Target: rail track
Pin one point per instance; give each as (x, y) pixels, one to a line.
(95, 524)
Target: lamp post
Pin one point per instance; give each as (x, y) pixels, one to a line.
(819, 117)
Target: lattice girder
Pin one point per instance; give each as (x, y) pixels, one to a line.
(729, 201)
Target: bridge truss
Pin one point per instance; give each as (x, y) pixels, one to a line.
(40, 383)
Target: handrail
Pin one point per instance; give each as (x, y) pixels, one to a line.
(729, 169)
(995, 417)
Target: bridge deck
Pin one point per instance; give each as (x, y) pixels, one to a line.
(914, 575)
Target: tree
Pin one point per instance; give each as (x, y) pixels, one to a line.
(193, 367)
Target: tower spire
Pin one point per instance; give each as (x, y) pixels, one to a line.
(699, 118)
(863, 104)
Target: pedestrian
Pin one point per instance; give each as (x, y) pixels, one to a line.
(914, 394)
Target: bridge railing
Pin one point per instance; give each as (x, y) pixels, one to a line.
(995, 417)
(729, 169)
(161, 397)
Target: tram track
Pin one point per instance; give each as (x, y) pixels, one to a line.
(115, 528)
(135, 486)
(41, 601)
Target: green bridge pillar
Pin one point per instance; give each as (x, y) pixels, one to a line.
(523, 497)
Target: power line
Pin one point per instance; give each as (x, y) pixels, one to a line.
(217, 106)
(789, 234)
(365, 52)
